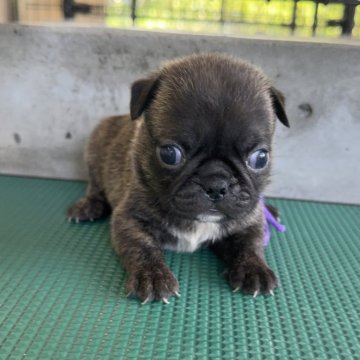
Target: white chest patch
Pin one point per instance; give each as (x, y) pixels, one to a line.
(189, 241)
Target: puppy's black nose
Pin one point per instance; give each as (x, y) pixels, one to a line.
(216, 188)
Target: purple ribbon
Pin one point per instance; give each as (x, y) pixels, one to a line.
(270, 220)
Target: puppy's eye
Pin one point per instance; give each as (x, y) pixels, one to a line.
(258, 159)
(170, 155)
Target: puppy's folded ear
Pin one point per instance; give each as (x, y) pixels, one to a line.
(142, 93)
(278, 100)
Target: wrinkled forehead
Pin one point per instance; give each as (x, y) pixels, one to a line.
(211, 110)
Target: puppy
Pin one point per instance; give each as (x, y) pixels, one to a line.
(186, 170)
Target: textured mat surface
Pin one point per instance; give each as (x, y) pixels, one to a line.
(61, 289)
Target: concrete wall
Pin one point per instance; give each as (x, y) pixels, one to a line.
(56, 83)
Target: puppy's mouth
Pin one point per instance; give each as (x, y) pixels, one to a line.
(211, 216)
(196, 205)
(202, 213)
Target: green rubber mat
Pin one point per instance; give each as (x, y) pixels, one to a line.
(61, 289)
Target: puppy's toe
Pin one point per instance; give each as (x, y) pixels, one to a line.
(148, 284)
(253, 278)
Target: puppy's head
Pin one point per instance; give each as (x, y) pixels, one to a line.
(205, 148)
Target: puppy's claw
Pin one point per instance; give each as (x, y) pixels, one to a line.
(165, 300)
(271, 293)
(146, 301)
(177, 294)
(69, 219)
(91, 219)
(77, 220)
(255, 294)
(236, 290)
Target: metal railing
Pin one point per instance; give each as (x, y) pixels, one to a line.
(221, 12)
(346, 23)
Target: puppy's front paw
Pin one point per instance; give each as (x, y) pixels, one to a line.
(88, 209)
(153, 283)
(253, 277)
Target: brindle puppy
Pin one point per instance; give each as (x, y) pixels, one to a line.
(185, 170)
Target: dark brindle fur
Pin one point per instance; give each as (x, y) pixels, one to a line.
(217, 110)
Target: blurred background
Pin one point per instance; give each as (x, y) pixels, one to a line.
(326, 19)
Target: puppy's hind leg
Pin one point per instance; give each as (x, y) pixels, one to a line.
(274, 211)
(88, 208)
(91, 207)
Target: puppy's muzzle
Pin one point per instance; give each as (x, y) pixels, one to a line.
(215, 187)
